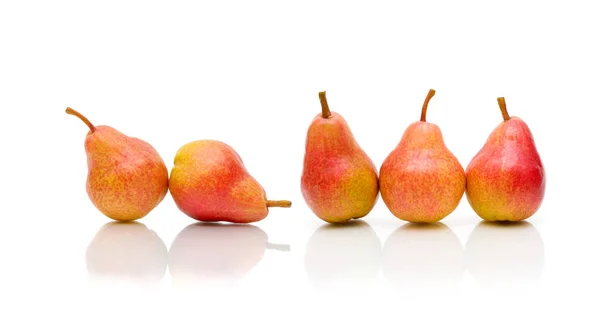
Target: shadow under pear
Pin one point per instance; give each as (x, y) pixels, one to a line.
(505, 253)
(217, 253)
(423, 255)
(345, 255)
(127, 251)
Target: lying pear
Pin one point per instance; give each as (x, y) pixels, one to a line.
(421, 180)
(127, 178)
(209, 182)
(339, 180)
(506, 179)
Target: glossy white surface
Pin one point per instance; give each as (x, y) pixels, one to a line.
(248, 73)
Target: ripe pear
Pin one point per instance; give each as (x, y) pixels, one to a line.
(339, 180)
(421, 180)
(127, 178)
(506, 179)
(209, 182)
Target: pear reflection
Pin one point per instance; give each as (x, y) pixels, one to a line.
(218, 253)
(423, 255)
(340, 256)
(127, 251)
(501, 253)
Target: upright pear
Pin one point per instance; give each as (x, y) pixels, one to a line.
(339, 181)
(421, 180)
(506, 179)
(209, 182)
(127, 178)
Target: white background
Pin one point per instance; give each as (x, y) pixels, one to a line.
(248, 73)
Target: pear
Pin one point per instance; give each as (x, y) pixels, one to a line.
(209, 182)
(339, 180)
(506, 179)
(421, 180)
(127, 178)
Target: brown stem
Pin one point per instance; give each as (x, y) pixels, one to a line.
(325, 112)
(426, 103)
(278, 247)
(502, 105)
(85, 120)
(279, 203)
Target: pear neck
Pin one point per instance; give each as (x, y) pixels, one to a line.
(422, 135)
(329, 135)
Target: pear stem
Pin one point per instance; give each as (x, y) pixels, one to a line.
(85, 120)
(426, 103)
(325, 112)
(278, 247)
(279, 203)
(502, 105)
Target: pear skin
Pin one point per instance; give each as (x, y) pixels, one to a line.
(506, 179)
(421, 180)
(127, 178)
(339, 181)
(209, 182)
